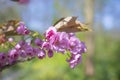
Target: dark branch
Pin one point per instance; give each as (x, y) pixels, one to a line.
(16, 62)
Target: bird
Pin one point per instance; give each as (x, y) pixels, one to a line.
(70, 24)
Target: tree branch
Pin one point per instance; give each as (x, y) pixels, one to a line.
(16, 62)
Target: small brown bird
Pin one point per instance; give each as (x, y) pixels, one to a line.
(70, 24)
(9, 27)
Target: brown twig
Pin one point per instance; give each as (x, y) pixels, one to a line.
(16, 62)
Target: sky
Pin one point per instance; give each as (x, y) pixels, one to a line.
(44, 9)
(111, 17)
(39, 14)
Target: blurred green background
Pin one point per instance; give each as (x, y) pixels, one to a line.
(101, 62)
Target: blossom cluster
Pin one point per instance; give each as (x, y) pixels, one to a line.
(63, 42)
(22, 29)
(60, 42)
(22, 1)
